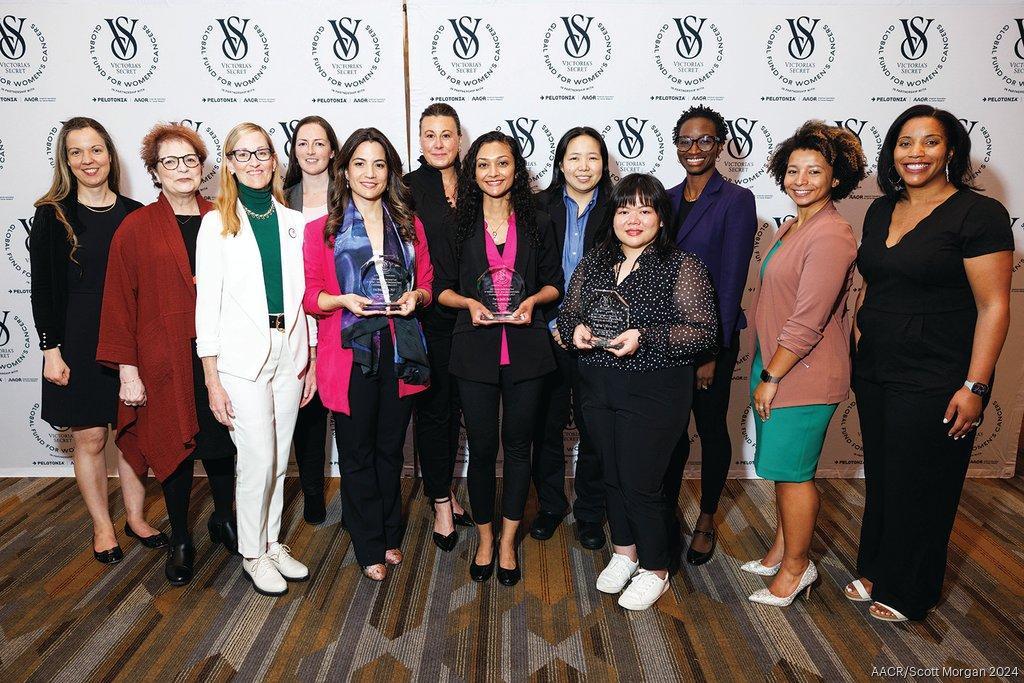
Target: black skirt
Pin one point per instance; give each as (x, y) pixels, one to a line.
(213, 440)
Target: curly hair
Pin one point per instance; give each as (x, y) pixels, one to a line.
(165, 132)
(700, 111)
(958, 140)
(470, 207)
(397, 198)
(840, 148)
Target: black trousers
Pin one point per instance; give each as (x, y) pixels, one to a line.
(370, 458)
(519, 402)
(913, 476)
(177, 490)
(437, 423)
(710, 414)
(562, 392)
(310, 442)
(634, 421)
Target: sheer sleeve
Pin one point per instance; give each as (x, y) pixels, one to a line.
(571, 312)
(695, 327)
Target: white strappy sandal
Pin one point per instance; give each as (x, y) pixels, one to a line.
(855, 591)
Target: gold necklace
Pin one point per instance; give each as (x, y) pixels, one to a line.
(95, 210)
(494, 231)
(259, 216)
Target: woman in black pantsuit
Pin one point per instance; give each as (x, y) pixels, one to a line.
(636, 389)
(499, 361)
(930, 323)
(434, 188)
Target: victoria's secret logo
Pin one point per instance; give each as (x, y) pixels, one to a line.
(465, 45)
(22, 65)
(915, 42)
(346, 43)
(801, 45)
(123, 44)
(689, 44)
(577, 40)
(631, 138)
(235, 45)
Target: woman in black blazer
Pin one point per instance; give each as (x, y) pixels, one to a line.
(71, 233)
(499, 361)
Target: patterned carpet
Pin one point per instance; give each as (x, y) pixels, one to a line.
(64, 617)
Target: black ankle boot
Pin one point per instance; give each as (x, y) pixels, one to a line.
(224, 532)
(178, 568)
(314, 511)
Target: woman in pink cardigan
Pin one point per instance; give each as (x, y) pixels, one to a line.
(801, 367)
(371, 361)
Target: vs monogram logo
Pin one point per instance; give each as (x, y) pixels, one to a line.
(466, 44)
(689, 45)
(26, 223)
(741, 141)
(1018, 47)
(12, 38)
(779, 220)
(235, 46)
(631, 140)
(915, 42)
(5, 334)
(288, 128)
(16, 245)
(801, 45)
(346, 44)
(522, 130)
(577, 41)
(123, 45)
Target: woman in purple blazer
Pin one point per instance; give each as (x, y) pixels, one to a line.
(716, 221)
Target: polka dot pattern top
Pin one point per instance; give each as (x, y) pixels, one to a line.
(671, 302)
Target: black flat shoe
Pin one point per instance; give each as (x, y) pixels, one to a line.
(224, 532)
(112, 556)
(157, 540)
(314, 511)
(510, 577)
(590, 535)
(544, 525)
(178, 567)
(482, 572)
(697, 558)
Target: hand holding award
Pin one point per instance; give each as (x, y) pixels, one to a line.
(501, 290)
(607, 316)
(384, 280)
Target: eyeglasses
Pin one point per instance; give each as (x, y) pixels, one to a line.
(243, 155)
(705, 143)
(171, 163)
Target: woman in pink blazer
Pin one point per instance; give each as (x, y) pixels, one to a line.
(801, 367)
(371, 361)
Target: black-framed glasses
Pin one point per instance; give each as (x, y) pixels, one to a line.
(243, 155)
(171, 162)
(705, 143)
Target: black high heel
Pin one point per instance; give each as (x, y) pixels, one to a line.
(157, 540)
(482, 572)
(224, 532)
(445, 543)
(461, 518)
(509, 577)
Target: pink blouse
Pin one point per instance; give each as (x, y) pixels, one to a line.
(333, 362)
(507, 257)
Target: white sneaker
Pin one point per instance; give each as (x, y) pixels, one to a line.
(290, 568)
(643, 591)
(264, 576)
(617, 574)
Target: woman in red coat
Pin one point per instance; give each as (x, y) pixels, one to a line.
(147, 331)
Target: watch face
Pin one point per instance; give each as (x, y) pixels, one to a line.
(979, 389)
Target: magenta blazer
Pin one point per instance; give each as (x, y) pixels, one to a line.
(334, 363)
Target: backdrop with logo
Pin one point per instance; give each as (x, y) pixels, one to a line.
(208, 65)
(628, 69)
(532, 69)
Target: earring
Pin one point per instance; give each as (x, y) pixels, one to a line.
(897, 184)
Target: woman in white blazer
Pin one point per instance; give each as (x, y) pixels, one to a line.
(256, 344)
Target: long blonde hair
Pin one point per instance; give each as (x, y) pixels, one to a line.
(227, 196)
(64, 182)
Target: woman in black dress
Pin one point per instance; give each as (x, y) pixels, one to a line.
(931, 319)
(74, 223)
(147, 332)
(434, 188)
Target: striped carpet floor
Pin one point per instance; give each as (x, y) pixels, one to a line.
(64, 617)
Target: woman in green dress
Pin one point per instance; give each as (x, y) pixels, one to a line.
(801, 367)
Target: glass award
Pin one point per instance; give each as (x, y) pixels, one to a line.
(383, 280)
(501, 289)
(607, 316)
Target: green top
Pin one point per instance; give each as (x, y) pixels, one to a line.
(265, 228)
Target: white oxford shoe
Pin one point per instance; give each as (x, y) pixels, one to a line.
(264, 576)
(287, 566)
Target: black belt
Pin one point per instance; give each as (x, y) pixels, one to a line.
(277, 321)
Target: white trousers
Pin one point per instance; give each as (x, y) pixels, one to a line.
(265, 413)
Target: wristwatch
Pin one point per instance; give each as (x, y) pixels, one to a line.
(978, 388)
(769, 378)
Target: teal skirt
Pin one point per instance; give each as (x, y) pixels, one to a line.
(789, 443)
